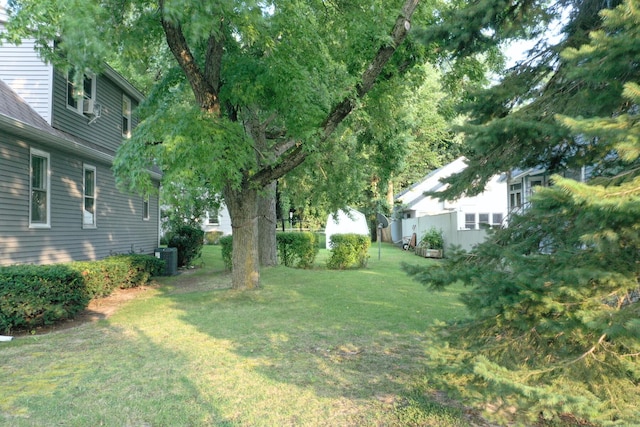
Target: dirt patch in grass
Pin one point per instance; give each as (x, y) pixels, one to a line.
(103, 308)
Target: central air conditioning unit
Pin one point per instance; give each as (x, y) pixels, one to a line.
(88, 107)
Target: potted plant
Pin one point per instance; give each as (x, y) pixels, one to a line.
(431, 244)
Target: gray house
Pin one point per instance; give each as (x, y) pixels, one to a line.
(58, 199)
(523, 183)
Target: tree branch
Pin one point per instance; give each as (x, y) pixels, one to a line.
(347, 105)
(213, 58)
(204, 93)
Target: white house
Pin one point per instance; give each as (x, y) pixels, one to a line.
(218, 220)
(462, 221)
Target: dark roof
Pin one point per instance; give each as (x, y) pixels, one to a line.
(12, 105)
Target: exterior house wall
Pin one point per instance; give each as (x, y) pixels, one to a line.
(34, 115)
(120, 227)
(105, 131)
(23, 70)
(221, 224)
(452, 232)
(489, 208)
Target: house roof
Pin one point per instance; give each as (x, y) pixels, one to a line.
(431, 182)
(519, 173)
(17, 117)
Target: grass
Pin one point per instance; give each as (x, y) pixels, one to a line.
(310, 348)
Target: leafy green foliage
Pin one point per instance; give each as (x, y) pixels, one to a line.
(140, 268)
(555, 296)
(297, 249)
(212, 237)
(226, 242)
(188, 240)
(117, 271)
(33, 296)
(39, 295)
(348, 250)
(432, 239)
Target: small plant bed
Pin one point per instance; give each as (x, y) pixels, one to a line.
(431, 244)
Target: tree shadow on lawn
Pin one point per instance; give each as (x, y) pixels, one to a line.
(99, 375)
(339, 343)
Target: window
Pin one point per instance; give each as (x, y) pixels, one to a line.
(126, 117)
(496, 221)
(89, 203)
(213, 217)
(483, 220)
(515, 195)
(470, 221)
(78, 97)
(145, 208)
(39, 203)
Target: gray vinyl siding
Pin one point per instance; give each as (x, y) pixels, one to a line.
(23, 70)
(106, 131)
(120, 226)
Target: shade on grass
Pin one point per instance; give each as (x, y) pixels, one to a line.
(311, 347)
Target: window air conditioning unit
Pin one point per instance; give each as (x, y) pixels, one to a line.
(88, 106)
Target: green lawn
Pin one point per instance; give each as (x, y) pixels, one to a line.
(310, 348)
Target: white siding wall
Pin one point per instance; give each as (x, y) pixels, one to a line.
(23, 70)
(223, 225)
(448, 223)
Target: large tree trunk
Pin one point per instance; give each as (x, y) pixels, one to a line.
(267, 248)
(243, 210)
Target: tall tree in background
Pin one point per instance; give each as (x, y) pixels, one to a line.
(398, 135)
(259, 86)
(555, 330)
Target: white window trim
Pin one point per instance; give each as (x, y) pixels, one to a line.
(94, 224)
(126, 133)
(39, 153)
(146, 213)
(80, 97)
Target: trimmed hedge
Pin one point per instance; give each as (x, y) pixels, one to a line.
(297, 249)
(140, 268)
(348, 250)
(227, 251)
(212, 237)
(36, 295)
(39, 295)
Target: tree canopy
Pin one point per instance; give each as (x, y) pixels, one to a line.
(554, 295)
(256, 87)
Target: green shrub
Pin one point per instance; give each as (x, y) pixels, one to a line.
(227, 251)
(432, 239)
(118, 271)
(98, 281)
(297, 249)
(139, 268)
(32, 295)
(39, 295)
(212, 237)
(189, 241)
(348, 250)
(321, 238)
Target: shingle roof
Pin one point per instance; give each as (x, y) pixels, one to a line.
(12, 105)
